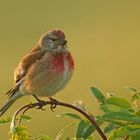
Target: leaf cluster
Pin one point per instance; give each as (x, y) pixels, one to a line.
(120, 119)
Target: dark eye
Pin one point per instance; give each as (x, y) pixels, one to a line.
(53, 39)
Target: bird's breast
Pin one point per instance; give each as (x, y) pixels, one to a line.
(63, 63)
(63, 66)
(47, 80)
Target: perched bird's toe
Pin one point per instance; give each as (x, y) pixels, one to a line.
(53, 104)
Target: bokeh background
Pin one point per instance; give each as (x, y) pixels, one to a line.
(103, 36)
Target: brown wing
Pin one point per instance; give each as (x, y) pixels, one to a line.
(35, 55)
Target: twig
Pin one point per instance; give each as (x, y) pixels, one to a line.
(51, 102)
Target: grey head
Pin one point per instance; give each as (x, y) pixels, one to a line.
(53, 40)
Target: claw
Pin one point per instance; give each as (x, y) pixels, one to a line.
(54, 103)
(41, 103)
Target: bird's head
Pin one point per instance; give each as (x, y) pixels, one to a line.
(54, 41)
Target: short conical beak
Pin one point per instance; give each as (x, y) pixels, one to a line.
(63, 42)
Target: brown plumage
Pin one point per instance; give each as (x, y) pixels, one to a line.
(44, 71)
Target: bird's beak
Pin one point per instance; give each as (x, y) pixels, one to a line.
(63, 42)
(63, 46)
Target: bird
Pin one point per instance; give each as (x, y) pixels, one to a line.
(44, 71)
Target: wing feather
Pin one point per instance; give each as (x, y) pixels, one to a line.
(26, 62)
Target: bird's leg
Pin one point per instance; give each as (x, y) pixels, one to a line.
(41, 103)
(54, 103)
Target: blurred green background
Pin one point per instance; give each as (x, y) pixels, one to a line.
(104, 38)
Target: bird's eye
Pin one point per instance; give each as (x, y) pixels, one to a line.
(53, 39)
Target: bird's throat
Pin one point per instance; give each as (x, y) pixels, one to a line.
(61, 59)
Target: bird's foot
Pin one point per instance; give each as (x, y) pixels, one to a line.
(54, 103)
(41, 103)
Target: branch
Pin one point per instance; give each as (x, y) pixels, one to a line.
(51, 102)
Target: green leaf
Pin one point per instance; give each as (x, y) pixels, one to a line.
(43, 137)
(90, 129)
(136, 95)
(98, 94)
(25, 117)
(123, 103)
(5, 120)
(109, 128)
(82, 127)
(20, 134)
(138, 113)
(130, 130)
(110, 108)
(136, 137)
(123, 116)
(20, 129)
(135, 133)
(71, 115)
(116, 122)
(118, 133)
(85, 129)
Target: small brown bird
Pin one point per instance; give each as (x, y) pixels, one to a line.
(44, 71)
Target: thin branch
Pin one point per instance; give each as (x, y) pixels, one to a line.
(51, 102)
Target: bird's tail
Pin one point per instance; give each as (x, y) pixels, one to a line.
(14, 94)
